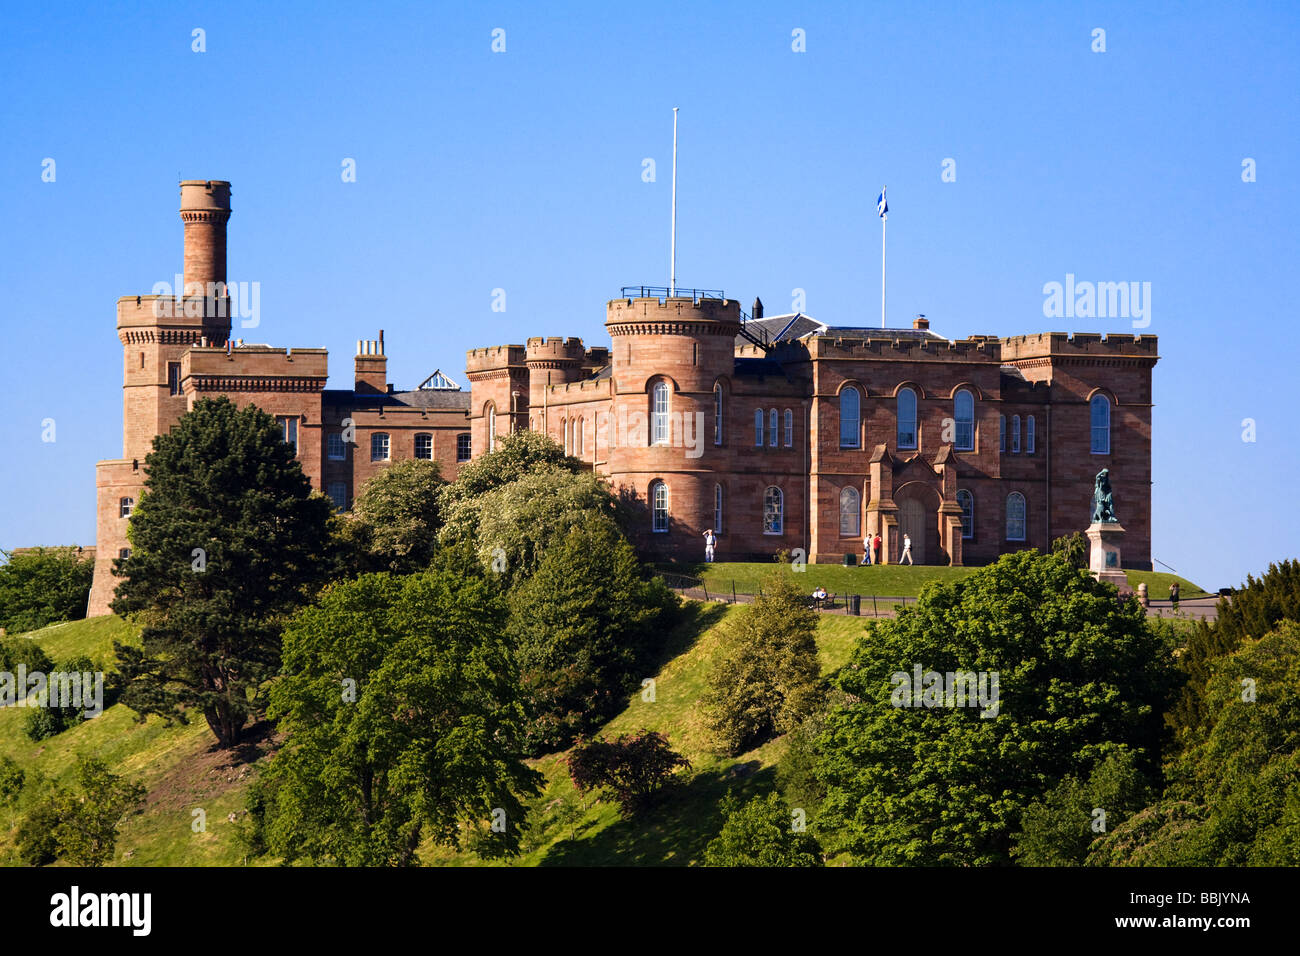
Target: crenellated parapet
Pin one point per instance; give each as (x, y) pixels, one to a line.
(884, 347)
(1062, 347)
(672, 316)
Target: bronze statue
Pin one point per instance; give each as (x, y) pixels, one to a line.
(1103, 501)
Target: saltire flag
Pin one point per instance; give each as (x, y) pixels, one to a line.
(882, 206)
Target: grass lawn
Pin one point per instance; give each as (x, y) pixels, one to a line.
(886, 580)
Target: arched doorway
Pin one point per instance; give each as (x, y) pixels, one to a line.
(911, 522)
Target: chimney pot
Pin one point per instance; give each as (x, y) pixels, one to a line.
(920, 322)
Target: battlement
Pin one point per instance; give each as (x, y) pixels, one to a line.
(1078, 344)
(581, 391)
(494, 357)
(303, 369)
(883, 347)
(650, 315)
(555, 349)
(191, 311)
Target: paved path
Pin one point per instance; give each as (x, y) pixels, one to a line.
(1206, 608)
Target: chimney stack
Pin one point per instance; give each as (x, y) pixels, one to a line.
(920, 322)
(371, 366)
(205, 209)
(758, 308)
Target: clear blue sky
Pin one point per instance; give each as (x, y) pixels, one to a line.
(522, 170)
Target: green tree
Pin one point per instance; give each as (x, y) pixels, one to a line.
(1079, 672)
(581, 626)
(399, 509)
(401, 704)
(12, 779)
(1073, 548)
(227, 539)
(79, 825)
(43, 586)
(635, 767)
(1059, 828)
(768, 677)
(761, 832)
(516, 455)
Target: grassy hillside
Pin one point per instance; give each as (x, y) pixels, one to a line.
(177, 764)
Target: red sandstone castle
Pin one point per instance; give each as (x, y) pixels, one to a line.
(779, 433)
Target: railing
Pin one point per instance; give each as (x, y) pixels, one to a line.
(663, 292)
(754, 333)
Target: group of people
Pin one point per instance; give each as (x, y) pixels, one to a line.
(871, 549)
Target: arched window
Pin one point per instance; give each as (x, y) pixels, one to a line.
(564, 425)
(659, 428)
(1002, 434)
(492, 427)
(580, 438)
(1100, 425)
(966, 501)
(424, 446)
(758, 428)
(963, 407)
(124, 507)
(1015, 434)
(789, 428)
(659, 506)
(906, 418)
(717, 509)
(850, 513)
(717, 416)
(1029, 435)
(773, 428)
(850, 418)
(773, 510)
(1015, 516)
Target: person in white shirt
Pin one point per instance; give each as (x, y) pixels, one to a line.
(907, 550)
(866, 549)
(709, 542)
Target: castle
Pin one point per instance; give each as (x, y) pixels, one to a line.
(779, 433)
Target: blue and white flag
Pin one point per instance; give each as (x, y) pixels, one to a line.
(882, 207)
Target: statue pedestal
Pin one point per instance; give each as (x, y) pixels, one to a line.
(1104, 557)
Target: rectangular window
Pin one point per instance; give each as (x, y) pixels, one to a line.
(289, 428)
(772, 428)
(717, 509)
(424, 447)
(789, 428)
(1029, 436)
(462, 447)
(1015, 434)
(758, 428)
(174, 378)
(334, 446)
(124, 553)
(379, 447)
(338, 492)
(1002, 434)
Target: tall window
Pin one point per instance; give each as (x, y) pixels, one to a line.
(124, 507)
(659, 506)
(564, 424)
(964, 413)
(1015, 516)
(966, 501)
(907, 418)
(379, 447)
(850, 418)
(773, 428)
(773, 510)
(579, 439)
(789, 428)
(463, 447)
(492, 427)
(338, 492)
(717, 416)
(289, 429)
(1002, 434)
(334, 446)
(717, 509)
(1029, 435)
(659, 427)
(1015, 434)
(850, 513)
(424, 447)
(1100, 425)
(758, 428)
(174, 378)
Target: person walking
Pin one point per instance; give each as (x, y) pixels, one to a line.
(907, 550)
(866, 549)
(709, 543)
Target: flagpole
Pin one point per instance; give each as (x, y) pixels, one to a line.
(672, 276)
(884, 217)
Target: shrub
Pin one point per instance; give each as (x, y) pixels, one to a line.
(761, 833)
(43, 586)
(634, 767)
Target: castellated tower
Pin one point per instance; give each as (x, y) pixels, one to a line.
(551, 361)
(676, 349)
(499, 380)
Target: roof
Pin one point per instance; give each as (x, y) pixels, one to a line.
(420, 398)
(796, 325)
